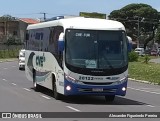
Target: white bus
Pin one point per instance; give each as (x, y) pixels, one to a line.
(78, 56)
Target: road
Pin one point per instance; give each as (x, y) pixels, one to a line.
(17, 95)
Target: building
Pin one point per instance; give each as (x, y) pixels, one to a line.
(14, 27)
(23, 23)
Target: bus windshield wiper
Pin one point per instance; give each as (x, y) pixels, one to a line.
(108, 62)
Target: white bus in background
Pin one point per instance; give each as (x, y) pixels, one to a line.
(78, 56)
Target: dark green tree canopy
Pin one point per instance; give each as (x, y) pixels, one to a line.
(132, 10)
(157, 37)
(139, 20)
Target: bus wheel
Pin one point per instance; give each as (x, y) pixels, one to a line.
(55, 93)
(35, 85)
(109, 98)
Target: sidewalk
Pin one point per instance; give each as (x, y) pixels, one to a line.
(157, 60)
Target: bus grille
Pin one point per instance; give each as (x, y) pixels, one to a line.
(91, 90)
(93, 83)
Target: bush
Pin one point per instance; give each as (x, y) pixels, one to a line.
(146, 59)
(132, 56)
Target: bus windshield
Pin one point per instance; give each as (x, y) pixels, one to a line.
(96, 49)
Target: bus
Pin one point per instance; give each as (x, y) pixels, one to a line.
(78, 56)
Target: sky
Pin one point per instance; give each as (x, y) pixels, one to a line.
(35, 8)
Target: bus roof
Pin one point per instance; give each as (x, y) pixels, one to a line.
(81, 23)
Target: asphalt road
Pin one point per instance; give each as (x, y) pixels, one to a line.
(17, 95)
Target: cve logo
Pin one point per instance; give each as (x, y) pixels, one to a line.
(40, 60)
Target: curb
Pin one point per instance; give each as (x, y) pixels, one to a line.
(142, 81)
(8, 60)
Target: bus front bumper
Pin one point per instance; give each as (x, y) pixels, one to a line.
(83, 89)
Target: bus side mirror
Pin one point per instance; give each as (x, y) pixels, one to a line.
(129, 42)
(61, 42)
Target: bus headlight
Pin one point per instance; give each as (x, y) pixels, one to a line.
(123, 88)
(121, 81)
(69, 78)
(68, 88)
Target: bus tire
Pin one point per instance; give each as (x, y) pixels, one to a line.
(36, 87)
(54, 88)
(109, 98)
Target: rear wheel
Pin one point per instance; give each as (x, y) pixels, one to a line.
(109, 98)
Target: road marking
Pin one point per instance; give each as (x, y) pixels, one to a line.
(13, 84)
(151, 89)
(147, 88)
(26, 89)
(45, 97)
(151, 106)
(73, 108)
(144, 90)
(4, 79)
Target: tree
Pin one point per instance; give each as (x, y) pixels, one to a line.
(139, 19)
(7, 18)
(157, 36)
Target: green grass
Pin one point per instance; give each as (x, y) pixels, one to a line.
(141, 71)
(9, 53)
(7, 59)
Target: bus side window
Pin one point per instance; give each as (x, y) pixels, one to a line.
(27, 36)
(52, 47)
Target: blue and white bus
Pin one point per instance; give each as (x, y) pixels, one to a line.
(78, 56)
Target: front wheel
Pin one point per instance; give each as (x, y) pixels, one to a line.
(110, 98)
(36, 87)
(56, 95)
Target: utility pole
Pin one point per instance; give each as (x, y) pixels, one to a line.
(44, 15)
(138, 33)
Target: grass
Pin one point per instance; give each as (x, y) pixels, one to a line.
(9, 53)
(7, 59)
(142, 71)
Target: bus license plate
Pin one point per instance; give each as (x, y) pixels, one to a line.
(97, 89)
